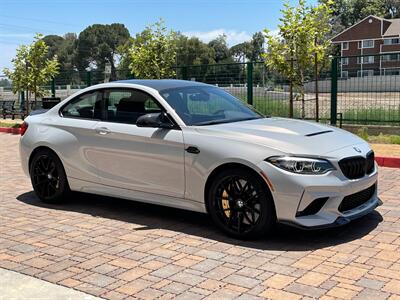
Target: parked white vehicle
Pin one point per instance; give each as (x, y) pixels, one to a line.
(194, 146)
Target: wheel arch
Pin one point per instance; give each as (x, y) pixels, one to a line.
(36, 150)
(230, 165)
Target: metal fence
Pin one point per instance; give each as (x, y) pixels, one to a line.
(366, 89)
(354, 90)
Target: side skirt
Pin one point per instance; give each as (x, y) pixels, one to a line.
(99, 189)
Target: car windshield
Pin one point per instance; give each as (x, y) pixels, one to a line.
(206, 105)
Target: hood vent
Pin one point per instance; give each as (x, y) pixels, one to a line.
(318, 133)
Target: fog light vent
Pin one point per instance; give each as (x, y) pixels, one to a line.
(313, 208)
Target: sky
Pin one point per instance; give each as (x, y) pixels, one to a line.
(206, 19)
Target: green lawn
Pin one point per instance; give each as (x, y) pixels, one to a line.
(9, 124)
(373, 116)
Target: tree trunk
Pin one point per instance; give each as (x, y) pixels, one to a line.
(303, 102)
(316, 85)
(113, 75)
(291, 99)
(35, 91)
(27, 102)
(291, 88)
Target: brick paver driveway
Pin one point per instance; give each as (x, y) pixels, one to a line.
(116, 249)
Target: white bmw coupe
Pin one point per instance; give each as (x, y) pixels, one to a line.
(194, 146)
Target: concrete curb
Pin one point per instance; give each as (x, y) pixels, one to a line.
(383, 161)
(18, 286)
(10, 130)
(386, 161)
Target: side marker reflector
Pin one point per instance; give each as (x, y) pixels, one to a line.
(269, 183)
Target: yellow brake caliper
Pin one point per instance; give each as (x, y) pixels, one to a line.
(225, 204)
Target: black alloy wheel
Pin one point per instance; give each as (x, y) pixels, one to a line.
(240, 204)
(48, 177)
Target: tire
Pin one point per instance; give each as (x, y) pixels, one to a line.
(240, 204)
(48, 177)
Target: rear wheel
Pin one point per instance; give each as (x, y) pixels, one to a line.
(240, 205)
(48, 177)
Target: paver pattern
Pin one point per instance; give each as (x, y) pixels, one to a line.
(121, 249)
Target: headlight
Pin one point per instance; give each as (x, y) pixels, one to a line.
(301, 165)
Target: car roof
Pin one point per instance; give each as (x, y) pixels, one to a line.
(162, 84)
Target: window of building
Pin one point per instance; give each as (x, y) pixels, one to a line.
(365, 73)
(392, 72)
(391, 57)
(391, 41)
(365, 59)
(344, 74)
(345, 46)
(366, 44)
(345, 61)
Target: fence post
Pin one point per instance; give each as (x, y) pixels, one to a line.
(88, 78)
(53, 87)
(334, 90)
(250, 83)
(185, 73)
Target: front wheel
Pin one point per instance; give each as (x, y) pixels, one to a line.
(48, 177)
(240, 204)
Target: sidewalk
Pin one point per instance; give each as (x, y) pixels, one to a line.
(15, 286)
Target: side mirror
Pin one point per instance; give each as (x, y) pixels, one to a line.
(155, 120)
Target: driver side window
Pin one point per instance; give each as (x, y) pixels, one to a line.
(127, 105)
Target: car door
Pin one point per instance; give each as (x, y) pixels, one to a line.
(76, 139)
(142, 159)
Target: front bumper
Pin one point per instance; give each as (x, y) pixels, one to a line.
(340, 221)
(293, 193)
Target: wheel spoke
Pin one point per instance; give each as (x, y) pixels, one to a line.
(41, 182)
(52, 168)
(237, 186)
(252, 209)
(248, 219)
(245, 188)
(240, 220)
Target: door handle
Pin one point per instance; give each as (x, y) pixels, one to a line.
(102, 130)
(193, 150)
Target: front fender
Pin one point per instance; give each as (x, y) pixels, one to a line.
(215, 152)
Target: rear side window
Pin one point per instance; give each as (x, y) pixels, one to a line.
(86, 106)
(126, 106)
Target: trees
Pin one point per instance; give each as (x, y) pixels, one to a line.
(220, 48)
(99, 44)
(18, 75)
(348, 12)
(64, 48)
(302, 43)
(40, 68)
(192, 51)
(153, 52)
(256, 48)
(240, 52)
(32, 68)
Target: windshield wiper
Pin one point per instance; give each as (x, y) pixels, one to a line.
(213, 122)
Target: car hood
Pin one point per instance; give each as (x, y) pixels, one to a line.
(290, 136)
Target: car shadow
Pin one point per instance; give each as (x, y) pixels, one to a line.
(149, 216)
